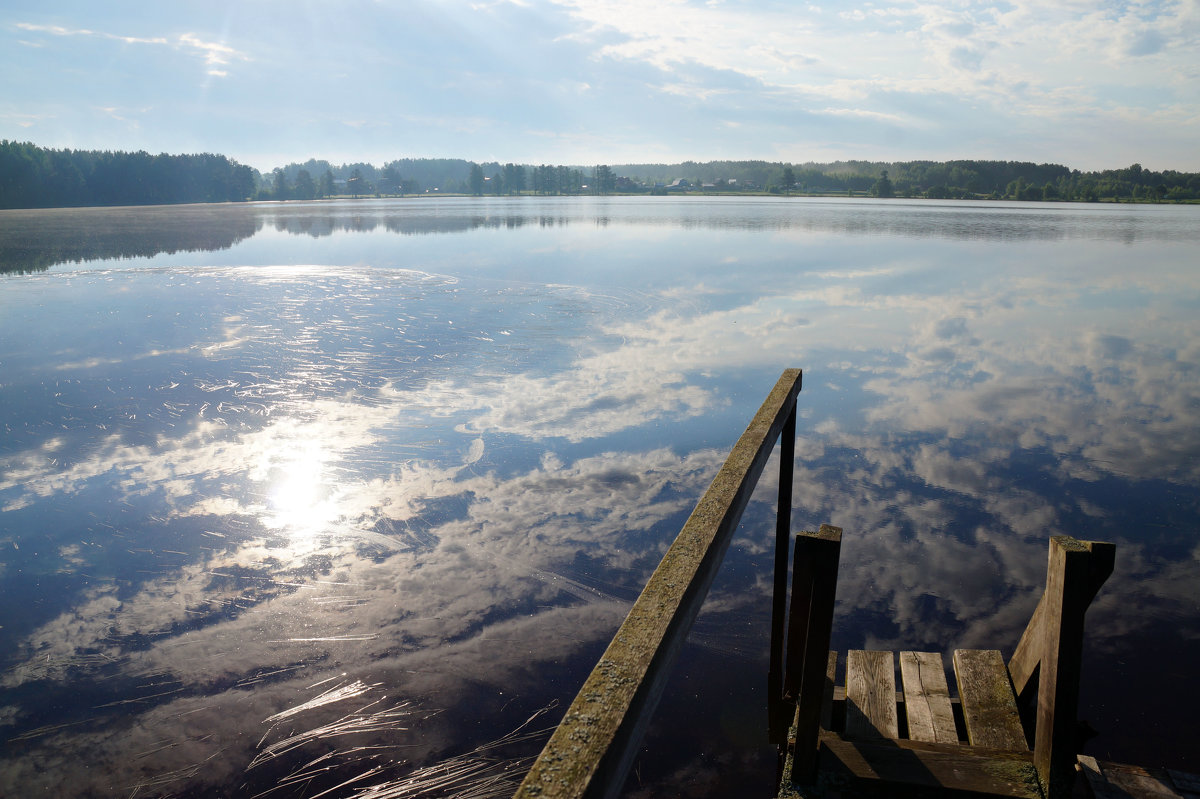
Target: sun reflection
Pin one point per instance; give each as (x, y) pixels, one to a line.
(301, 499)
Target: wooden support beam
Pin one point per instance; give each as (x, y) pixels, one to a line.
(778, 710)
(1069, 589)
(591, 751)
(886, 768)
(814, 586)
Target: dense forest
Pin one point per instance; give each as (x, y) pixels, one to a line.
(35, 177)
(998, 180)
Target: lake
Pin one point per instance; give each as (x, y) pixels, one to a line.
(350, 496)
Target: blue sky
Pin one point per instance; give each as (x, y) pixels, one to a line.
(1088, 84)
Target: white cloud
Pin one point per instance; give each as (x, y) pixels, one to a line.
(956, 74)
(215, 54)
(863, 114)
(57, 30)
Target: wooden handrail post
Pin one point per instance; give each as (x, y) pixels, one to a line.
(777, 710)
(1023, 666)
(1074, 574)
(814, 589)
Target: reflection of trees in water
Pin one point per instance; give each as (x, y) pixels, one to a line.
(317, 225)
(924, 220)
(34, 241)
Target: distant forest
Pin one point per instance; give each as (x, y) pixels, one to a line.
(36, 177)
(33, 177)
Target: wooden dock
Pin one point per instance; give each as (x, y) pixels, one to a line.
(1010, 729)
(863, 737)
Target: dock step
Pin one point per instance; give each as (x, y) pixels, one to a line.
(988, 704)
(864, 750)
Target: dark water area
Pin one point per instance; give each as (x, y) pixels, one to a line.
(350, 496)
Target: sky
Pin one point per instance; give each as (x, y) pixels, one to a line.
(1092, 85)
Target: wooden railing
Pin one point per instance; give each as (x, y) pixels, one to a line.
(591, 751)
(1052, 648)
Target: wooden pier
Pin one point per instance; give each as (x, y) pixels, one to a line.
(1011, 730)
(862, 737)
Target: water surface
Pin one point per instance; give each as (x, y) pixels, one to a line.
(296, 496)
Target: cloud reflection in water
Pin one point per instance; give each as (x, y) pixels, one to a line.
(452, 487)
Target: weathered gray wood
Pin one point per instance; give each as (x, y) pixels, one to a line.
(1097, 782)
(1069, 591)
(591, 751)
(871, 695)
(1023, 665)
(810, 626)
(778, 710)
(988, 705)
(927, 698)
(1120, 781)
(907, 765)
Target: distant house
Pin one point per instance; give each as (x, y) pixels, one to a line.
(680, 184)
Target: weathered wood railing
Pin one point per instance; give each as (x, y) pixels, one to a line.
(591, 751)
(1052, 648)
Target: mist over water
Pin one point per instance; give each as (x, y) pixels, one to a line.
(299, 497)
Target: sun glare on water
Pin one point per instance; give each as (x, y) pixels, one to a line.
(300, 499)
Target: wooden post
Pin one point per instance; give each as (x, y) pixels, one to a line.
(1023, 666)
(1068, 593)
(778, 717)
(814, 586)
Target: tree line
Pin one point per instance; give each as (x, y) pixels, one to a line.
(423, 176)
(36, 177)
(962, 179)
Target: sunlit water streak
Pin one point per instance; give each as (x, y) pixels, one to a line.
(434, 449)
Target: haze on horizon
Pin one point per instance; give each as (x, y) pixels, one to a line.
(1086, 84)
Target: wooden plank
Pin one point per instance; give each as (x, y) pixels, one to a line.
(1096, 780)
(927, 698)
(1121, 781)
(839, 695)
(814, 585)
(871, 695)
(590, 752)
(911, 768)
(989, 707)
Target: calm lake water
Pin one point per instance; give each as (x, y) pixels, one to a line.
(354, 494)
